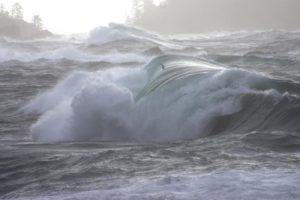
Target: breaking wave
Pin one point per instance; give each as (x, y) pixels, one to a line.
(117, 33)
(172, 98)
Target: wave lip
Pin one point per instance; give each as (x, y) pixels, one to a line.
(117, 33)
(167, 68)
(171, 98)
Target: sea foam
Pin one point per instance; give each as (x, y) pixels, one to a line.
(70, 53)
(232, 184)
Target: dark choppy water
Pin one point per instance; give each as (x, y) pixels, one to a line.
(89, 119)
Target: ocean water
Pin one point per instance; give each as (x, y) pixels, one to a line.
(128, 114)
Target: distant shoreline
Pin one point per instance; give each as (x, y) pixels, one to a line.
(20, 29)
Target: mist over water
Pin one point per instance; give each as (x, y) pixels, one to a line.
(129, 114)
(193, 16)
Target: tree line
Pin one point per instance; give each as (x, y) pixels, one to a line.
(17, 13)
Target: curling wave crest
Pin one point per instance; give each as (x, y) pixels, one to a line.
(171, 98)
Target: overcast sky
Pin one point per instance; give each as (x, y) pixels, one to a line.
(74, 16)
(174, 16)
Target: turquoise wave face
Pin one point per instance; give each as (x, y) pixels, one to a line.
(165, 69)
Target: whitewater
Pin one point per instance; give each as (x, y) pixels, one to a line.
(124, 113)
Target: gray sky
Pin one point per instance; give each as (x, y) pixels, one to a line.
(192, 16)
(67, 16)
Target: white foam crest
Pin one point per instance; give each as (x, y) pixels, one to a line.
(102, 35)
(70, 53)
(233, 184)
(117, 32)
(101, 106)
(215, 35)
(63, 92)
(56, 38)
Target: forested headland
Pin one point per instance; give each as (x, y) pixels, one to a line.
(13, 25)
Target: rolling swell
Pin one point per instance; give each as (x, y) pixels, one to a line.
(171, 98)
(259, 113)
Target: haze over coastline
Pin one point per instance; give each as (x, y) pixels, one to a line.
(13, 25)
(196, 16)
(165, 16)
(80, 16)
